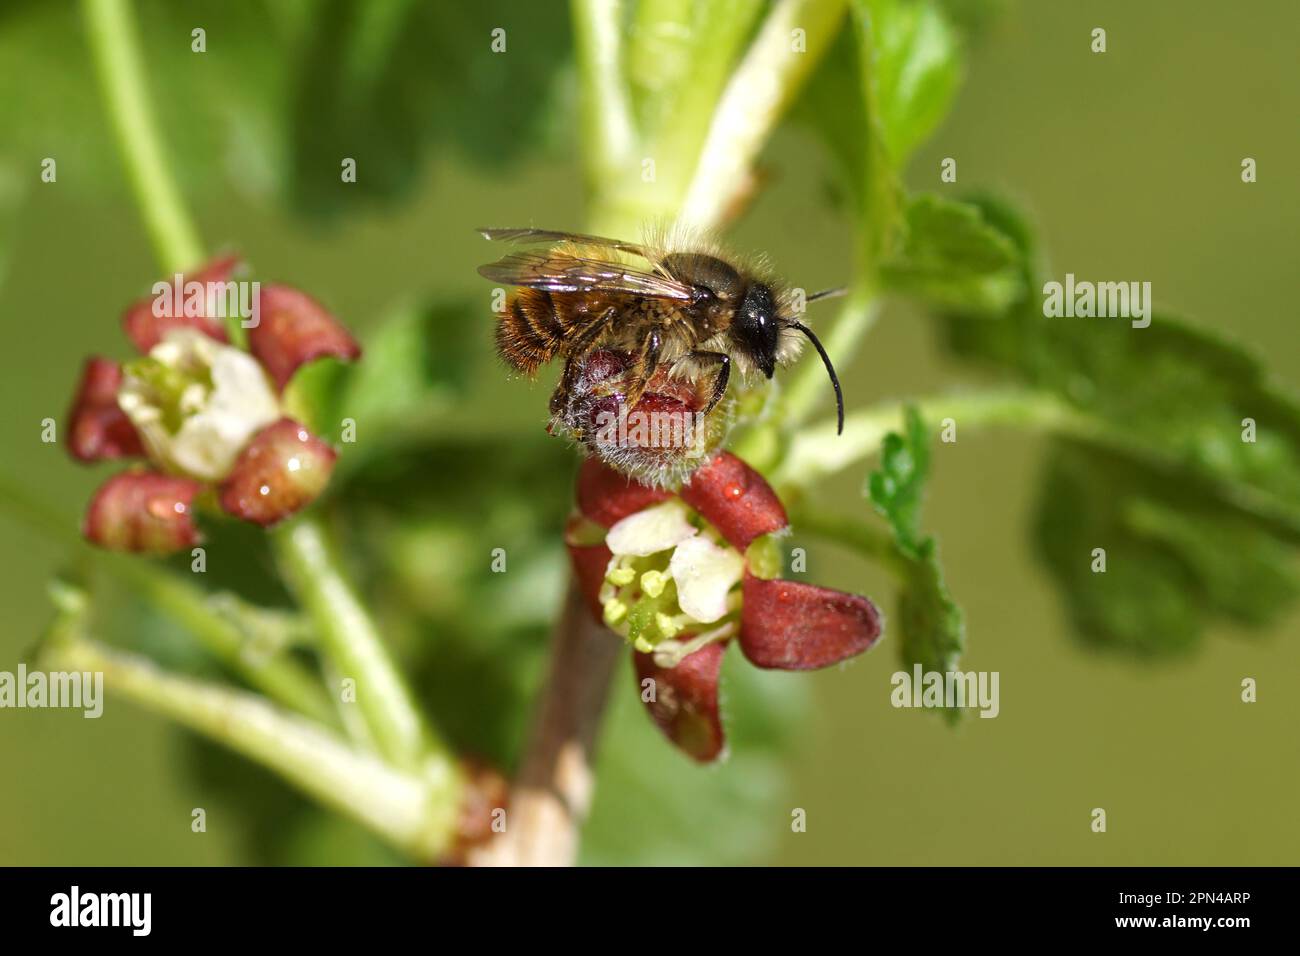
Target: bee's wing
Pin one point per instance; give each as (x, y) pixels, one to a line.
(550, 235)
(561, 272)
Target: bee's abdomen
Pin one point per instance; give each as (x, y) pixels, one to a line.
(531, 331)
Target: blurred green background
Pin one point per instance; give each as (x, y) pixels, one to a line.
(1128, 163)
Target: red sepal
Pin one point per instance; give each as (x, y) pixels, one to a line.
(292, 330)
(735, 499)
(146, 330)
(797, 627)
(589, 564)
(97, 427)
(685, 704)
(606, 497)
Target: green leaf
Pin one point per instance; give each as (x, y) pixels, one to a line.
(918, 69)
(881, 89)
(285, 91)
(1199, 517)
(951, 255)
(896, 489)
(1175, 559)
(931, 623)
(219, 110)
(386, 83)
(415, 366)
(838, 105)
(679, 58)
(1173, 395)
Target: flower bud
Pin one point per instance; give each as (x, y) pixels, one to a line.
(143, 511)
(283, 469)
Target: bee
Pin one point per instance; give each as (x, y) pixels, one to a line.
(685, 308)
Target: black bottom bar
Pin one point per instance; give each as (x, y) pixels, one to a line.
(441, 905)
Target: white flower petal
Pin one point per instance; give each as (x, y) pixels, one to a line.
(219, 421)
(655, 529)
(705, 573)
(240, 404)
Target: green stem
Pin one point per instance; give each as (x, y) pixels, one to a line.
(114, 44)
(608, 128)
(416, 812)
(759, 91)
(881, 191)
(705, 147)
(278, 676)
(345, 629)
(879, 215)
(855, 534)
(680, 57)
(351, 640)
(817, 451)
(761, 87)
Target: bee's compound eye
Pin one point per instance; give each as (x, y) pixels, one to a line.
(755, 327)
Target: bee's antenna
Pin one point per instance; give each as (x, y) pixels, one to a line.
(830, 370)
(828, 294)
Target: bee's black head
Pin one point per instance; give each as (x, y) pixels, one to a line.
(755, 327)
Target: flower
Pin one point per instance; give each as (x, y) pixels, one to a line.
(680, 575)
(195, 403)
(208, 418)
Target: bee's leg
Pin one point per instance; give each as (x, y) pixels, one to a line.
(565, 386)
(723, 361)
(647, 364)
(577, 357)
